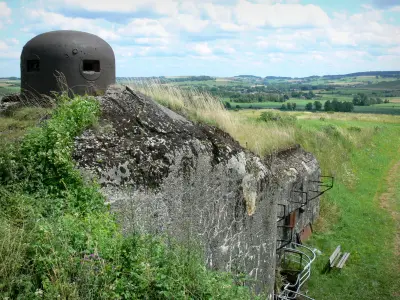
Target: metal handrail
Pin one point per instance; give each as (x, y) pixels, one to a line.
(292, 295)
(304, 256)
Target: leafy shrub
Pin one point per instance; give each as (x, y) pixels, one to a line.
(331, 130)
(354, 128)
(283, 119)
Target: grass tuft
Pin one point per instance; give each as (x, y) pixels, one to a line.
(201, 106)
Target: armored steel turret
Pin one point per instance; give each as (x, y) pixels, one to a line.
(87, 62)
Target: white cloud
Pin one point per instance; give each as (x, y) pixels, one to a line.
(367, 29)
(143, 27)
(151, 41)
(13, 41)
(288, 40)
(275, 57)
(231, 27)
(8, 52)
(280, 15)
(190, 7)
(278, 44)
(132, 51)
(5, 14)
(226, 50)
(190, 23)
(349, 54)
(395, 8)
(218, 12)
(53, 21)
(3, 46)
(201, 49)
(167, 7)
(5, 11)
(395, 50)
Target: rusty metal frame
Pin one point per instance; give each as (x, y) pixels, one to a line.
(284, 212)
(285, 242)
(301, 202)
(323, 184)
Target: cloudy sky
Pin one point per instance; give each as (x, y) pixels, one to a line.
(217, 37)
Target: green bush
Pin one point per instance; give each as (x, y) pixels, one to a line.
(354, 128)
(283, 119)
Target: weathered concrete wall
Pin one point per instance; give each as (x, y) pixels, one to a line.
(299, 173)
(163, 174)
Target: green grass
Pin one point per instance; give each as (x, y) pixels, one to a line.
(384, 108)
(358, 150)
(362, 228)
(351, 215)
(16, 125)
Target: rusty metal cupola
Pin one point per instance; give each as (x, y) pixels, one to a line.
(86, 60)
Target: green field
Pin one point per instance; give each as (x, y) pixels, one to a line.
(359, 150)
(362, 227)
(384, 108)
(9, 87)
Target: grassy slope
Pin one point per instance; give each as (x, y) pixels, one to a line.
(350, 213)
(360, 226)
(15, 126)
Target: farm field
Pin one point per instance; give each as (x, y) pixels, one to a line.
(384, 108)
(9, 86)
(362, 152)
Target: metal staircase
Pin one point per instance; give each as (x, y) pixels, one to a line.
(293, 253)
(300, 257)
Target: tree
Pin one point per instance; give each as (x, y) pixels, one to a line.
(227, 105)
(361, 99)
(285, 97)
(318, 105)
(348, 106)
(309, 106)
(283, 107)
(328, 106)
(335, 105)
(289, 106)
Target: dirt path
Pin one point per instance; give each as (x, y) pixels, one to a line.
(389, 202)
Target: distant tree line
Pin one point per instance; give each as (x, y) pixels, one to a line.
(317, 105)
(362, 99)
(257, 97)
(309, 95)
(189, 78)
(288, 106)
(371, 73)
(338, 106)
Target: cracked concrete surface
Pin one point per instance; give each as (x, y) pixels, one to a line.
(162, 174)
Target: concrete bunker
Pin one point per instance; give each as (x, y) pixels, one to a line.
(86, 60)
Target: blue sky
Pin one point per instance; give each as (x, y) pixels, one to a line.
(217, 37)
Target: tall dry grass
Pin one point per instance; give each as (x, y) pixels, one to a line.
(201, 106)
